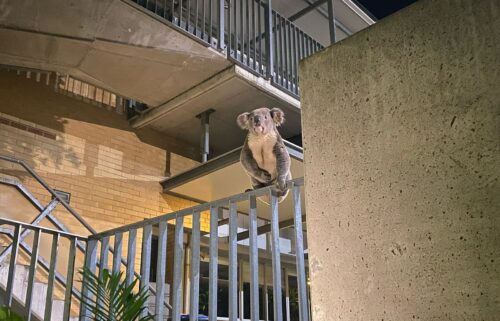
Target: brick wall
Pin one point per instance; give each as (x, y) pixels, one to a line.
(111, 170)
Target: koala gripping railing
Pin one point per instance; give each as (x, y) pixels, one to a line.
(209, 241)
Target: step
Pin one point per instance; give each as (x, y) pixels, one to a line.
(39, 292)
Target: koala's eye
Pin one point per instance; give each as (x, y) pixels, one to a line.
(265, 117)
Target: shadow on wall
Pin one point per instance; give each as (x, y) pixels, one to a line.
(38, 103)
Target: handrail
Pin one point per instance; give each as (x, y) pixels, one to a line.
(197, 208)
(50, 190)
(70, 209)
(41, 228)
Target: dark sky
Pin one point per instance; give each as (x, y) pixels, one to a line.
(382, 8)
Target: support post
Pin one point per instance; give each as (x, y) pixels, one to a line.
(205, 134)
(331, 21)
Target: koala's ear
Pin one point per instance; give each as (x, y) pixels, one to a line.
(242, 120)
(278, 116)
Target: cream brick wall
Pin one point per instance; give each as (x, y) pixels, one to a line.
(111, 170)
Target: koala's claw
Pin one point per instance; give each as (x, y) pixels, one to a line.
(281, 185)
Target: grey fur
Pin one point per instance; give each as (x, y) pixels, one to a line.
(264, 145)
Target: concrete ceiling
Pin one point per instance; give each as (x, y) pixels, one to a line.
(233, 92)
(109, 43)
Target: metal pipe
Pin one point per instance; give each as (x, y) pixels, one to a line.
(331, 21)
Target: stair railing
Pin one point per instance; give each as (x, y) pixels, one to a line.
(46, 212)
(33, 252)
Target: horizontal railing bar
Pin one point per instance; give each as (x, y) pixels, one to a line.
(43, 229)
(188, 211)
(43, 263)
(267, 228)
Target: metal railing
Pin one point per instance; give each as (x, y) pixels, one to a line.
(160, 224)
(46, 212)
(255, 36)
(15, 233)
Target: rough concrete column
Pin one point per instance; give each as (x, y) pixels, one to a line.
(401, 127)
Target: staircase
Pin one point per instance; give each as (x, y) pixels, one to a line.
(33, 283)
(39, 294)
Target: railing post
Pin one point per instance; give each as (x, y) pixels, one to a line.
(221, 42)
(212, 295)
(269, 40)
(90, 264)
(299, 255)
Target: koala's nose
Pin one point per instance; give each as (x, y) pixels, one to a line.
(256, 119)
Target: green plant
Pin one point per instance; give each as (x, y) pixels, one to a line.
(111, 299)
(6, 314)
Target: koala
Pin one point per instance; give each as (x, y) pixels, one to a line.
(264, 155)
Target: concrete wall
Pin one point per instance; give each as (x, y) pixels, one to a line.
(402, 151)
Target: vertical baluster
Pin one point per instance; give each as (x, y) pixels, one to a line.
(165, 9)
(299, 257)
(195, 268)
(172, 11)
(12, 264)
(276, 263)
(235, 14)
(282, 50)
(247, 17)
(90, 265)
(288, 52)
(188, 15)
(241, 293)
(50, 281)
(117, 257)
(132, 236)
(242, 32)
(259, 12)
(203, 2)
(177, 282)
(287, 294)
(103, 258)
(229, 27)
(276, 47)
(213, 267)
(180, 13)
(196, 18)
(269, 39)
(265, 290)
(160, 270)
(254, 38)
(221, 15)
(69, 278)
(302, 45)
(32, 272)
(293, 52)
(254, 261)
(145, 262)
(233, 262)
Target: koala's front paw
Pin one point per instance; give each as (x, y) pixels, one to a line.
(281, 185)
(265, 176)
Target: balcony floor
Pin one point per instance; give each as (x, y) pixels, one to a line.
(109, 43)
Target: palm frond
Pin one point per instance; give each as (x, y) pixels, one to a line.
(111, 299)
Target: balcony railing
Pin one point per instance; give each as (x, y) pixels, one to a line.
(253, 35)
(142, 253)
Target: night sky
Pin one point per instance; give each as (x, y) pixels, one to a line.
(382, 8)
